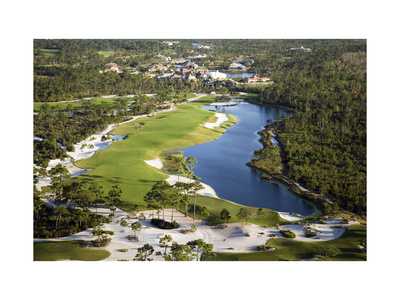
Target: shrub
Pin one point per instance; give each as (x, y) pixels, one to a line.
(123, 250)
(132, 237)
(104, 241)
(272, 235)
(288, 234)
(164, 224)
(264, 247)
(310, 232)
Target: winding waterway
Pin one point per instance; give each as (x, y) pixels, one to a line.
(222, 163)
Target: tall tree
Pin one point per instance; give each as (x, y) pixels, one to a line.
(57, 175)
(225, 215)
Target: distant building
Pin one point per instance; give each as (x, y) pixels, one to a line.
(156, 67)
(190, 76)
(198, 56)
(190, 64)
(164, 75)
(171, 43)
(203, 72)
(229, 83)
(178, 61)
(112, 67)
(176, 76)
(184, 71)
(301, 48)
(215, 75)
(237, 66)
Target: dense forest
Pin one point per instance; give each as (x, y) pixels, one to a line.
(323, 143)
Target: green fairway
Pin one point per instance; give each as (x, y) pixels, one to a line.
(63, 105)
(288, 249)
(123, 162)
(106, 53)
(67, 250)
(50, 52)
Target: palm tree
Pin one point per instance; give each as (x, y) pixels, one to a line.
(165, 242)
(136, 227)
(180, 165)
(195, 187)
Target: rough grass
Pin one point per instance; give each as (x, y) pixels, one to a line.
(66, 250)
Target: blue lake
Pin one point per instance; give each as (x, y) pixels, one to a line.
(221, 163)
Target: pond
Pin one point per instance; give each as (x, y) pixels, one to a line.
(222, 163)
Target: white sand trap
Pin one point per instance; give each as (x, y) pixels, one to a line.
(156, 163)
(289, 216)
(206, 191)
(221, 119)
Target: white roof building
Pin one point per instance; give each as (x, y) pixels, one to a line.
(301, 48)
(215, 75)
(237, 66)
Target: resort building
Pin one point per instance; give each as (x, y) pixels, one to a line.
(237, 66)
(301, 48)
(214, 75)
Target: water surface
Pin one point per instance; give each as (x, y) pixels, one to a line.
(221, 163)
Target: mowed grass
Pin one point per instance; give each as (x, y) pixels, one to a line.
(106, 53)
(288, 249)
(66, 250)
(123, 162)
(215, 206)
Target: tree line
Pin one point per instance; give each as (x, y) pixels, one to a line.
(323, 142)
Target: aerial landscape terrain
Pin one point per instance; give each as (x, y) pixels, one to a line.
(200, 150)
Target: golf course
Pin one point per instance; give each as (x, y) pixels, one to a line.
(123, 162)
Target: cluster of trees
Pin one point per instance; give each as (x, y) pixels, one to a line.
(45, 150)
(192, 250)
(68, 195)
(163, 194)
(53, 222)
(323, 143)
(73, 124)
